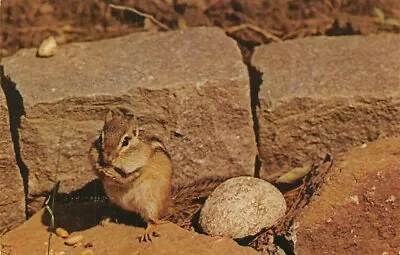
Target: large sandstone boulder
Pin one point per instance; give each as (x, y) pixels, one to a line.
(191, 93)
(12, 198)
(325, 94)
(357, 210)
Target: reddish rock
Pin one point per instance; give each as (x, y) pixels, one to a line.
(357, 211)
(325, 94)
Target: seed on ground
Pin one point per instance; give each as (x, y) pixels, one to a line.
(62, 232)
(73, 240)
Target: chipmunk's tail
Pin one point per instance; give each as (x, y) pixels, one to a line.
(196, 190)
(188, 199)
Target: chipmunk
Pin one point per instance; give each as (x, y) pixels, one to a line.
(135, 172)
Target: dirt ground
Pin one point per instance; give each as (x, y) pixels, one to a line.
(357, 205)
(25, 23)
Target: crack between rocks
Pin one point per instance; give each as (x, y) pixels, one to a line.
(255, 80)
(15, 105)
(255, 77)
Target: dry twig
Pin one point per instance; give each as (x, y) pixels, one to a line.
(264, 32)
(124, 8)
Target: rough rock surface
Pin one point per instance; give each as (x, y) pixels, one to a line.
(12, 198)
(242, 206)
(118, 239)
(192, 94)
(325, 94)
(358, 209)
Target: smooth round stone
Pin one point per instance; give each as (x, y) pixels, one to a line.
(242, 206)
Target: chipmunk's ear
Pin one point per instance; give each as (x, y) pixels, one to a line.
(133, 123)
(126, 111)
(109, 116)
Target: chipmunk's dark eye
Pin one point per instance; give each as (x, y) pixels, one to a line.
(126, 140)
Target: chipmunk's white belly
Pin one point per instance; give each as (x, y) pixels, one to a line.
(121, 195)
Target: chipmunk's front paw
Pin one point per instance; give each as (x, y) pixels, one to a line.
(148, 234)
(105, 221)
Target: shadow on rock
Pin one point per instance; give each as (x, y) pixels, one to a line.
(16, 109)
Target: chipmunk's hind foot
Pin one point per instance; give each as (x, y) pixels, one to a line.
(149, 233)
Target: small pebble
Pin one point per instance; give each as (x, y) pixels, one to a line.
(73, 240)
(87, 252)
(48, 47)
(46, 9)
(62, 232)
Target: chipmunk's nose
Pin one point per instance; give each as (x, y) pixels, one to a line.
(108, 159)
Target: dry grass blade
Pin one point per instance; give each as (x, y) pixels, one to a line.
(392, 21)
(255, 28)
(125, 8)
(293, 175)
(379, 14)
(304, 194)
